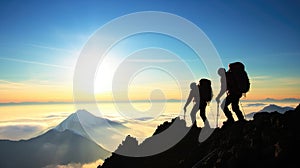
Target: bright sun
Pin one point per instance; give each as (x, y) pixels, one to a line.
(104, 75)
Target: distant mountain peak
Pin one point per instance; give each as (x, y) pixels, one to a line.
(75, 140)
(82, 121)
(50, 149)
(274, 107)
(71, 123)
(81, 115)
(270, 108)
(84, 113)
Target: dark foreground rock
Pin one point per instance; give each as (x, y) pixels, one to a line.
(269, 140)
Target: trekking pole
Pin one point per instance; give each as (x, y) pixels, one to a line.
(218, 108)
(243, 109)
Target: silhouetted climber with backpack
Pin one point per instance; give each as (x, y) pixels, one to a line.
(236, 84)
(202, 94)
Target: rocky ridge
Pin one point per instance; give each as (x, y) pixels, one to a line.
(269, 140)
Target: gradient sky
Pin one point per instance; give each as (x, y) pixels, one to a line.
(41, 40)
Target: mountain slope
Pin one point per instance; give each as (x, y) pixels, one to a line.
(269, 140)
(69, 142)
(53, 147)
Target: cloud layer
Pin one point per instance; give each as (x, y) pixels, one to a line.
(17, 132)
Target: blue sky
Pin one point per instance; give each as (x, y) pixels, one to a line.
(40, 40)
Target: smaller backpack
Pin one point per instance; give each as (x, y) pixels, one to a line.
(240, 77)
(205, 90)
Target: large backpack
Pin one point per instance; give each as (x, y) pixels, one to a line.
(240, 77)
(205, 90)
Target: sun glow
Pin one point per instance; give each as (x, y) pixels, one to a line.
(105, 74)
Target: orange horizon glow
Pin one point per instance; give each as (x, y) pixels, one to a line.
(32, 92)
(67, 97)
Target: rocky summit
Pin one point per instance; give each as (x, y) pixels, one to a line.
(269, 140)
